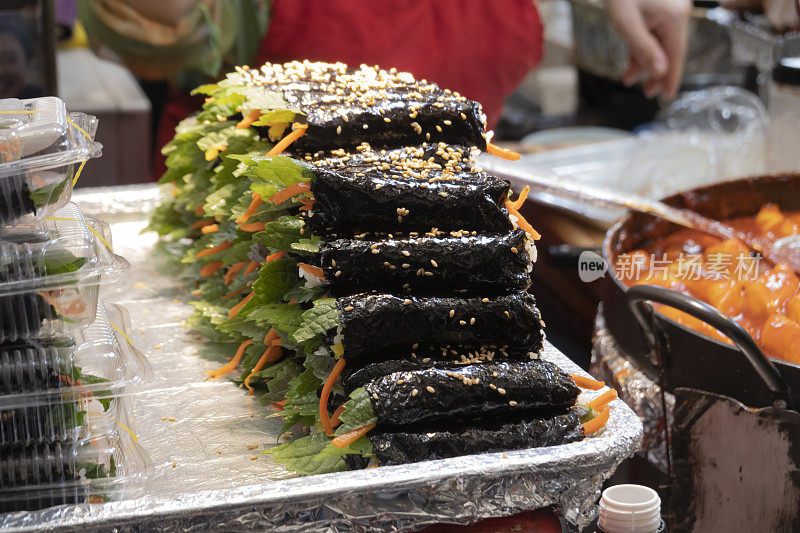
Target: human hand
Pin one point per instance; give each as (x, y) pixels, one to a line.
(656, 32)
(784, 15)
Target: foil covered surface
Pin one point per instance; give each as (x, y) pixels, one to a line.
(201, 436)
(639, 392)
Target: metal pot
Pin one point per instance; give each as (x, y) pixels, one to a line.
(690, 359)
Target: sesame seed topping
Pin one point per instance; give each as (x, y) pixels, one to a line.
(348, 308)
(452, 313)
(501, 390)
(472, 321)
(338, 273)
(338, 130)
(485, 300)
(430, 389)
(414, 392)
(462, 322)
(406, 302)
(434, 263)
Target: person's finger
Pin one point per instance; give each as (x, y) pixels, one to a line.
(629, 21)
(782, 14)
(673, 34)
(652, 87)
(633, 73)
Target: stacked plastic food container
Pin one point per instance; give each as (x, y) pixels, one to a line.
(66, 361)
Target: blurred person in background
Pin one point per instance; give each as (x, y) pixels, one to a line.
(783, 15)
(479, 48)
(17, 45)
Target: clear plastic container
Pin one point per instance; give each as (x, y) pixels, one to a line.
(94, 469)
(41, 149)
(66, 388)
(50, 273)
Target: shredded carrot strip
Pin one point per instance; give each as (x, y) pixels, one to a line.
(523, 195)
(275, 256)
(196, 293)
(232, 271)
(249, 119)
(345, 440)
(336, 414)
(210, 99)
(235, 309)
(313, 270)
(586, 383)
(279, 404)
(201, 223)
(251, 209)
(210, 268)
(250, 267)
(231, 365)
(270, 355)
(596, 423)
(214, 249)
(292, 190)
(603, 400)
(199, 209)
(173, 192)
(211, 228)
(502, 153)
(308, 204)
(283, 144)
(326, 392)
(252, 227)
(522, 223)
(231, 295)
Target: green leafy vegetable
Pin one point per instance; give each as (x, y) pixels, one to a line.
(323, 316)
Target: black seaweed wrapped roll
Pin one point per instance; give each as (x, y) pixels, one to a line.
(492, 391)
(15, 198)
(410, 446)
(444, 263)
(344, 107)
(354, 375)
(52, 419)
(352, 203)
(39, 465)
(379, 325)
(27, 366)
(21, 315)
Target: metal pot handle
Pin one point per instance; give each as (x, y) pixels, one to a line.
(640, 295)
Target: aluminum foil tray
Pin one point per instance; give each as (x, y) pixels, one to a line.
(200, 436)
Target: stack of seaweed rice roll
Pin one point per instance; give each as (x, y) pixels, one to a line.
(371, 278)
(64, 357)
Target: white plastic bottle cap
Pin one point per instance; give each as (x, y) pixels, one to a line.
(630, 509)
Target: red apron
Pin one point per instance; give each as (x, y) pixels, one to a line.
(480, 48)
